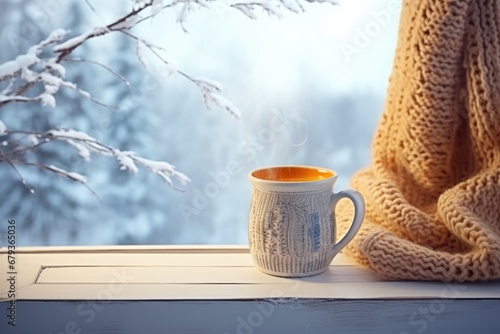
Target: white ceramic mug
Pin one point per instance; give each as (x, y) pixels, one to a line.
(292, 228)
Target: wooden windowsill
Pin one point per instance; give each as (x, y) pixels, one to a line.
(198, 277)
(201, 272)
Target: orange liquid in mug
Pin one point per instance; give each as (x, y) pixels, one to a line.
(293, 174)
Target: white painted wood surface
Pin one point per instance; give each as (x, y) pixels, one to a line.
(164, 273)
(218, 290)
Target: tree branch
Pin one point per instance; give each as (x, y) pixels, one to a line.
(24, 73)
(11, 164)
(107, 68)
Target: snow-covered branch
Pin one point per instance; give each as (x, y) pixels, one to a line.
(85, 145)
(28, 70)
(37, 75)
(211, 95)
(273, 8)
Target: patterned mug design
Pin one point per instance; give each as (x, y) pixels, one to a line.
(292, 223)
(281, 236)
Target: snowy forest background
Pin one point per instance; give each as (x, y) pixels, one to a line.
(305, 98)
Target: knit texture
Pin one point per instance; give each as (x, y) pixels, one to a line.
(433, 190)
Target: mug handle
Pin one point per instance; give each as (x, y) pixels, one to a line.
(359, 214)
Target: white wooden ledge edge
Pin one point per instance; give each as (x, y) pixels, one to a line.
(200, 273)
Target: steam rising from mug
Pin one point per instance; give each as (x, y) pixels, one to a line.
(276, 129)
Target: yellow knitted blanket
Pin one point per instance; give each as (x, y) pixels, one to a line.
(433, 190)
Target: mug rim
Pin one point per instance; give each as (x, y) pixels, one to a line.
(333, 176)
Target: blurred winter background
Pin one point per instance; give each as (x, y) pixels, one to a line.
(310, 87)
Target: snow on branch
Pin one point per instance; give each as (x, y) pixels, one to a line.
(78, 40)
(2, 128)
(40, 73)
(223, 103)
(249, 7)
(70, 175)
(85, 145)
(211, 90)
(29, 70)
(273, 7)
(22, 62)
